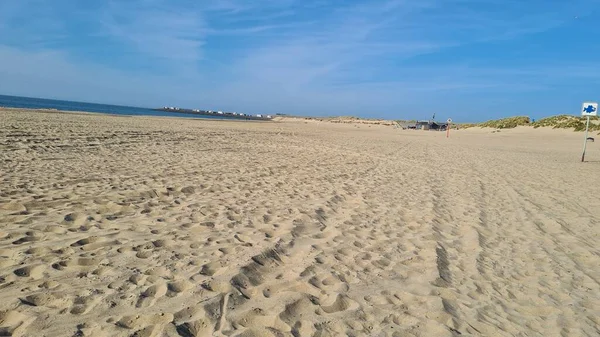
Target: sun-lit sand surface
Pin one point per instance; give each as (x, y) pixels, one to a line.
(128, 226)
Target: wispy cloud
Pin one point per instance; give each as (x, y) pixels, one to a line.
(356, 37)
(29, 23)
(158, 29)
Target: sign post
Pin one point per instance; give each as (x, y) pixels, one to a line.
(589, 109)
(448, 127)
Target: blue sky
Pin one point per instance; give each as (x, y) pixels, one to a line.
(470, 60)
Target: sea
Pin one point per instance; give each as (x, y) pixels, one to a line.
(43, 103)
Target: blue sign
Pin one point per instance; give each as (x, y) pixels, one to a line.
(589, 109)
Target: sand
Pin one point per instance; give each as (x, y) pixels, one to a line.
(140, 226)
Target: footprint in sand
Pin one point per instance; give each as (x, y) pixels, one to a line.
(86, 241)
(94, 243)
(90, 329)
(177, 287)
(14, 323)
(212, 268)
(149, 297)
(337, 302)
(303, 307)
(30, 236)
(328, 283)
(81, 262)
(145, 325)
(7, 258)
(190, 314)
(159, 272)
(84, 304)
(49, 285)
(38, 251)
(138, 279)
(217, 286)
(201, 319)
(199, 327)
(47, 299)
(35, 272)
(75, 219)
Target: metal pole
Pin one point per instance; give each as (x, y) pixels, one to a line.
(448, 130)
(587, 125)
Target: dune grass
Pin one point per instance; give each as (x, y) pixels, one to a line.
(577, 123)
(506, 123)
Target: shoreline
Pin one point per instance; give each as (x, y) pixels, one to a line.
(57, 111)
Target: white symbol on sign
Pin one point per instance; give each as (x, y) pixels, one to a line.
(589, 109)
(449, 120)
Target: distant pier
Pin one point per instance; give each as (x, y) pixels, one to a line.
(221, 114)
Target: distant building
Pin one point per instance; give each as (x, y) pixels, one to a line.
(430, 125)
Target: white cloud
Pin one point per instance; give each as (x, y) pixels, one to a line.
(157, 29)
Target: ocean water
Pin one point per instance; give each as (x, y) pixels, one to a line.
(42, 103)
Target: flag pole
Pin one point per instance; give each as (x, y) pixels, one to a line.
(587, 125)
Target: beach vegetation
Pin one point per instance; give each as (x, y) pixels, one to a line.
(506, 123)
(577, 123)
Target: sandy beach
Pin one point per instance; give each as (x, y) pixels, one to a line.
(142, 226)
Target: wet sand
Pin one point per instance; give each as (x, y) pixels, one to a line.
(121, 226)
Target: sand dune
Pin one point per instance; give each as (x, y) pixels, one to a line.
(128, 226)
